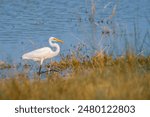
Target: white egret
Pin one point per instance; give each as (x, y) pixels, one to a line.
(41, 54)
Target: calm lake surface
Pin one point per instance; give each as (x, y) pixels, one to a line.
(27, 24)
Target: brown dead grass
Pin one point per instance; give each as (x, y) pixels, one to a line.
(100, 77)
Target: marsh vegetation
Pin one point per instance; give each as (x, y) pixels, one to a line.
(100, 77)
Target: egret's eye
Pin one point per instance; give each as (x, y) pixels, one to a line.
(54, 39)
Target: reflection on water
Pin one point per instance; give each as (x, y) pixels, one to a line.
(27, 24)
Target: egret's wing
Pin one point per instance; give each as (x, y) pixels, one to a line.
(38, 54)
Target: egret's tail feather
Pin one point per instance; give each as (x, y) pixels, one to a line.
(24, 56)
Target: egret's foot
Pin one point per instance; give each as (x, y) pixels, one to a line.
(39, 73)
(48, 71)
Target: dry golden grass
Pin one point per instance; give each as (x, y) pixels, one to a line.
(98, 77)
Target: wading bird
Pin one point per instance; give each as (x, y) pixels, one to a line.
(41, 54)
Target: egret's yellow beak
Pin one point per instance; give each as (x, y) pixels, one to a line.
(58, 40)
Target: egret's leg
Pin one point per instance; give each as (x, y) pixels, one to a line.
(40, 69)
(40, 66)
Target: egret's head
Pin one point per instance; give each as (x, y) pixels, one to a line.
(56, 40)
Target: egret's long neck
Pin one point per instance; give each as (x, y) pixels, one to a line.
(55, 45)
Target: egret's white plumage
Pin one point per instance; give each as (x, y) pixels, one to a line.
(44, 53)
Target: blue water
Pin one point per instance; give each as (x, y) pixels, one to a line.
(27, 24)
